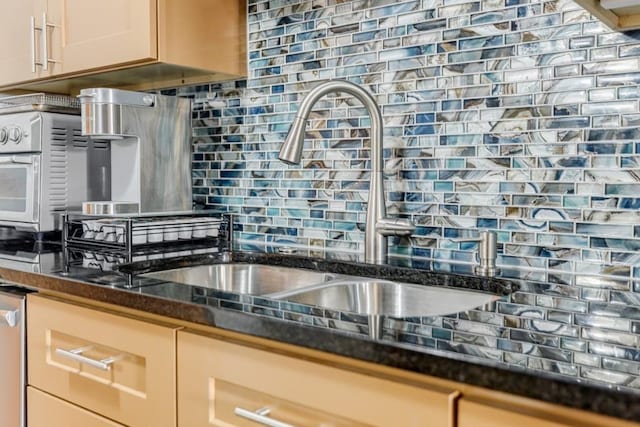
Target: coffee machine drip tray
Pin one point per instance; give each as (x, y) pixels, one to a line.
(110, 208)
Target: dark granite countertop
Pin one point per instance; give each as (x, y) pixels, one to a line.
(423, 345)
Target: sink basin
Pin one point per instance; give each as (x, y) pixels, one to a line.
(375, 298)
(254, 279)
(387, 298)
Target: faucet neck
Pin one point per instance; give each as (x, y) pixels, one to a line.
(292, 148)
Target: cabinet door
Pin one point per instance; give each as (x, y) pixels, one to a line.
(224, 384)
(113, 365)
(531, 414)
(91, 34)
(46, 411)
(21, 47)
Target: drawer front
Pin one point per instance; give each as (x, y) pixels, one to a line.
(523, 412)
(222, 384)
(234, 405)
(473, 414)
(45, 410)
(119, 367)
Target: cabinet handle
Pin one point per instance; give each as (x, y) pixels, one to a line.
(33, 28)
(9, 317)
(260, 416)
(45, 42)
(76, 356)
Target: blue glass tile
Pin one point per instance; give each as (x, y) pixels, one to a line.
(455, 163)
(231, 305)
(369, 35)
(310, 35)
(604, 230)
(369, 25)
(417, 340)
(459, 139)
(443, 186)
(621, 244)
(451, 105)
(622, 189)
(429, 25)
(419, 130)
(425, 118)
(316, 224)
(487, 223)
(480, 42)
(395, 9)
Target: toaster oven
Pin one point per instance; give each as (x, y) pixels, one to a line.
(47, 167)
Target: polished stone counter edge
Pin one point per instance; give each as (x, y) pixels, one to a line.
(599, 400)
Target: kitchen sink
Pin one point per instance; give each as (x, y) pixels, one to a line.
(375, 298)
(387, 298)
(254, 279)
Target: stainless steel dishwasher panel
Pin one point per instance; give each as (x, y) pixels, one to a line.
(12, 357)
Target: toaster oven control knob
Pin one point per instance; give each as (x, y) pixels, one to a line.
(4, 136)
(15, 135)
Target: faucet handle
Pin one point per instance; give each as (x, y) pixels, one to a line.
(395, 227)
(487, 252)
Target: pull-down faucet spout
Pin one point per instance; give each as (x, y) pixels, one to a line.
(378, 226)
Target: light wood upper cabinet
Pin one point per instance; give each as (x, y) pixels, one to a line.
(135, 44)
(19, 40)
(89, 34)
(225, 384)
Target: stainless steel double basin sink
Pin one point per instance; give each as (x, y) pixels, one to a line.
(354, 294)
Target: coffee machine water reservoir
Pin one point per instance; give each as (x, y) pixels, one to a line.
(150, 137)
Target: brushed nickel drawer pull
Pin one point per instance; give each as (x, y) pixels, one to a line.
(76, 356)
(260, 416)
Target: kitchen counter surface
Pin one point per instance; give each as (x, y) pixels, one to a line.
(411, 344)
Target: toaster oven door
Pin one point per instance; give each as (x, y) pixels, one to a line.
(19, 189)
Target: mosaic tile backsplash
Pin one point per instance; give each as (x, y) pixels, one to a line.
(519, 116)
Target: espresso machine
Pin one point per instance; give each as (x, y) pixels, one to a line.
(150, 138)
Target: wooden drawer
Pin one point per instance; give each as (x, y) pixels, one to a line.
(135, 384)
(522, 412)
(477, 415)
(45, 410)
(215, 378)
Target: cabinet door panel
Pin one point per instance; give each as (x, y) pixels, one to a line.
(18, 39)
(473, 414)
(90, 34)
(47, 411)
(113, 365)
(530, 413)
(217, 378)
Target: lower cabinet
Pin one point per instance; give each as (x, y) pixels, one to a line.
(225, 384)
(90, 367)
(471, 414)
(120, 367)
(515, 411)
(45, 410)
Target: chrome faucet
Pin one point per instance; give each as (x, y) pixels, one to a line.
(378, 225)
